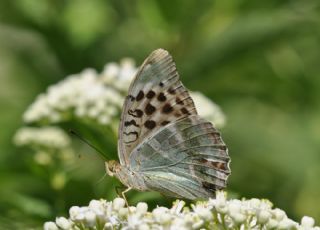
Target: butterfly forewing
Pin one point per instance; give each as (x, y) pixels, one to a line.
(156, 98)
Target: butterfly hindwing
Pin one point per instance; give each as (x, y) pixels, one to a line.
(187, 158)
(156, 98)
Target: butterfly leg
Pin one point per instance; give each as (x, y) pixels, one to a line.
(121, 193)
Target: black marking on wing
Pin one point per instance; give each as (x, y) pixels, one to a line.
(162, 97)
(167, 108)
(150, 124)
(165, 123)
(179, 101)
(132, 122)
(131, 97)
(185, 111)
(171, 90)
(140, 95)
(135, 113)
(149, 109)
(150, 94)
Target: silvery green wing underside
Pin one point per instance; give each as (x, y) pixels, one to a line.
(156, 98)
(186, 159)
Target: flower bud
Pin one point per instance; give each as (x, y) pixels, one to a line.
(118, 203)
(142, 207)
(63, 223)
(50, 226)
(307, 222)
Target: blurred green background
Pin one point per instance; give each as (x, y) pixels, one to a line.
(259, 60)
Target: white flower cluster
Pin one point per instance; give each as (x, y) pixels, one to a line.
(49, 136)
(85, 95)
(48, 142)
(119, 76)
(208, 109)
(218, 213)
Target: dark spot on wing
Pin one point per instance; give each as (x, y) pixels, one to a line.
(219, 165)
(149, 109)
(185, 111)
(161, 97)
(140, 95)
(208, 186)
(161, 84)
(177, 114)
(131, 97)
(165, 123)
(179, 101)
(150, 124)
(214, 164)
(222, 147)
(215, 138)
(203, 160)
(167, 108)
(135, 113)
(132, 122)
(171, 90)
(150, 94)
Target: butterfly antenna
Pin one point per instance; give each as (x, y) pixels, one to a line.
(101, 179)
(88, 143)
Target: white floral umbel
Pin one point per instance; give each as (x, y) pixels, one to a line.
(87, 95)
(218, 213)
(47, 142)
(50, 137)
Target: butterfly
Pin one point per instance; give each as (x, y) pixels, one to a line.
(164, 145)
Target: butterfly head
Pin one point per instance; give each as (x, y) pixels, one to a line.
(112, 167)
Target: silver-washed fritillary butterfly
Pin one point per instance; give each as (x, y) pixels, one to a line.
(163, 144)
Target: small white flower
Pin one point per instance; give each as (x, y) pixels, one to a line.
(220, 203)
(95, 205)
(118, 203)
(134, 221)
(202, 211)
(79, 217)
(90, 218)
(279, 214)
(239, 218)
(165, 218)
(123, 212)
(142, 207)
(263, 216)
(272, 224)
(144, 227)
(286, 224)
(235, 206)
(108, 226)
(63, 223)
(161, 215)
(198, 224)
(50, 226)
(307, 222)
(74, 211)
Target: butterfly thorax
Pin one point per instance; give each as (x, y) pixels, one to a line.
(125, 175)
